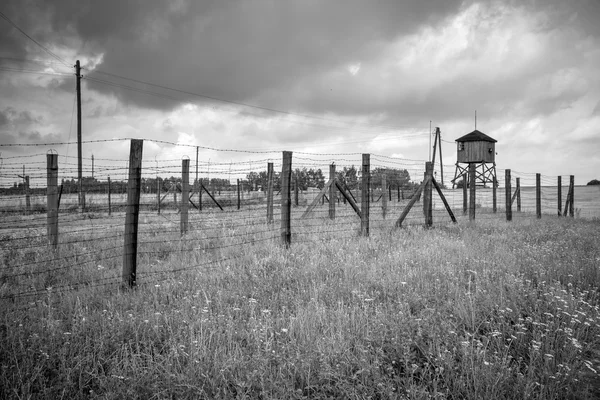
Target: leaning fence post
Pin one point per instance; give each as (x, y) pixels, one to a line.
(270, 193)
(559, 195)
(572, 192)
(132, 215)
(332, 192)
(538, 195)
(185, 193)
(365, 201)
(286, 201)
(508, 189)
(52, 198)
(472, 193)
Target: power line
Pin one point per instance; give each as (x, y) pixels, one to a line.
(241, 103)
(33, 40)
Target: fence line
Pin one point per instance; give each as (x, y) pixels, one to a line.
(210, 222)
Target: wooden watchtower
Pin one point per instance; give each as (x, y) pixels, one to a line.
(479, 149)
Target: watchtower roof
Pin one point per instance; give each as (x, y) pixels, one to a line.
(476, 136)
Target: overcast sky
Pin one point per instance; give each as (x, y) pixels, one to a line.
(336, 76)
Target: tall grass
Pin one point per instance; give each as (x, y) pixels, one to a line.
(491, 310)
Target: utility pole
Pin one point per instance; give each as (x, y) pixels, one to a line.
(92, 166)
(79, 162)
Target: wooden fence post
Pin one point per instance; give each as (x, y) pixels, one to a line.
(27, 195)
(508, 189)
(494, 195)
(538, 195)
(365, 200)
(296, 192)
(518, 191)
(572, 197)
(559, 195)
(286, 201)
(52, 198)
(465, 197)
(185, 193)
(332, 192)
(109, 198)
(133, 211)
(239, 194)
(427, 195)
(270, 193)
(384, 196)
(472, 191)
(398, 189)
(158, 186)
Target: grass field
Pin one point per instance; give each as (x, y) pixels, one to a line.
(490, 310)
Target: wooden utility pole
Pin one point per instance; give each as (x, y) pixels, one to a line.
(133, 212)
(92, 165)
(494, 195)
(238, 194)
(286, 201)
(465, 197)
(79, 156)
(439, 135)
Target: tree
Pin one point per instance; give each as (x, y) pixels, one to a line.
(594, 182)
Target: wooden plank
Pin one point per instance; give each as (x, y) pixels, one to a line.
(286, 201)
(348, 198)
(209, 195)
(317, 199)
(132, 215)
(410, 204)
(441, 194)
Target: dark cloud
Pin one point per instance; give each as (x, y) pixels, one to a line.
(235, 50)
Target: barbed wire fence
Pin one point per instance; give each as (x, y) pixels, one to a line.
(52, 242)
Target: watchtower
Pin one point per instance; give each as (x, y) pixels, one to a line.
(479, 149)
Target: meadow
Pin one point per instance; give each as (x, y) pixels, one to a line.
(490, 309)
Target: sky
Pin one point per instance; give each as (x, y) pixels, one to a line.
(327, 77)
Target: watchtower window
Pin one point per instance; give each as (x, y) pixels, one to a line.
(461, 146)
